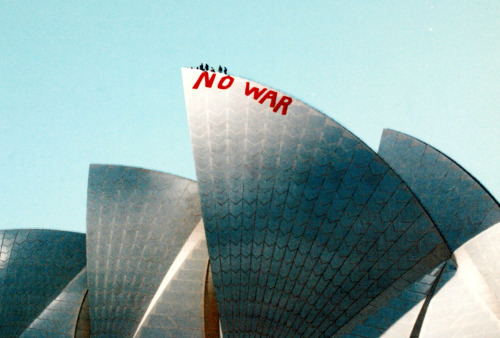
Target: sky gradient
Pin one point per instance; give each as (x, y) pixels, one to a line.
(94, 82)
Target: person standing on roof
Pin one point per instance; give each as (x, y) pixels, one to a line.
(220, 69)
(225, 70)
(206, 67)
(201, 66)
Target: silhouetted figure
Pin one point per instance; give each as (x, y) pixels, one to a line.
(212, 69)
(201, 66)
(206, 66)
(225, 70)
(220, 69)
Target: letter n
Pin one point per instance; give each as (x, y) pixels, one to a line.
(209, 81)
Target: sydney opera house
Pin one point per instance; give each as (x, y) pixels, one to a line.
(293, 228)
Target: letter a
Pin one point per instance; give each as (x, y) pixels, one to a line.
(270, 95)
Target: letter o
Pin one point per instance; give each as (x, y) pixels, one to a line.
(221, 84)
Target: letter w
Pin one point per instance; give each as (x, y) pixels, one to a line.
(255, 91)
(208, 80)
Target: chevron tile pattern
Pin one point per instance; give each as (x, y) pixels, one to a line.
(137, 221)
(295, 228)
(35, 267)
(397, 315)
(305, 224)
(59, 319)
(179, 310)
(458, 204)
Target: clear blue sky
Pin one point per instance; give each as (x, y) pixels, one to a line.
(99, 82)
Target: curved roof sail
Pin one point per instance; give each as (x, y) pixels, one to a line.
(468, 217)
(35, 267)
(137, 222)
(459, 205)
(61, 316)
(305, 224)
